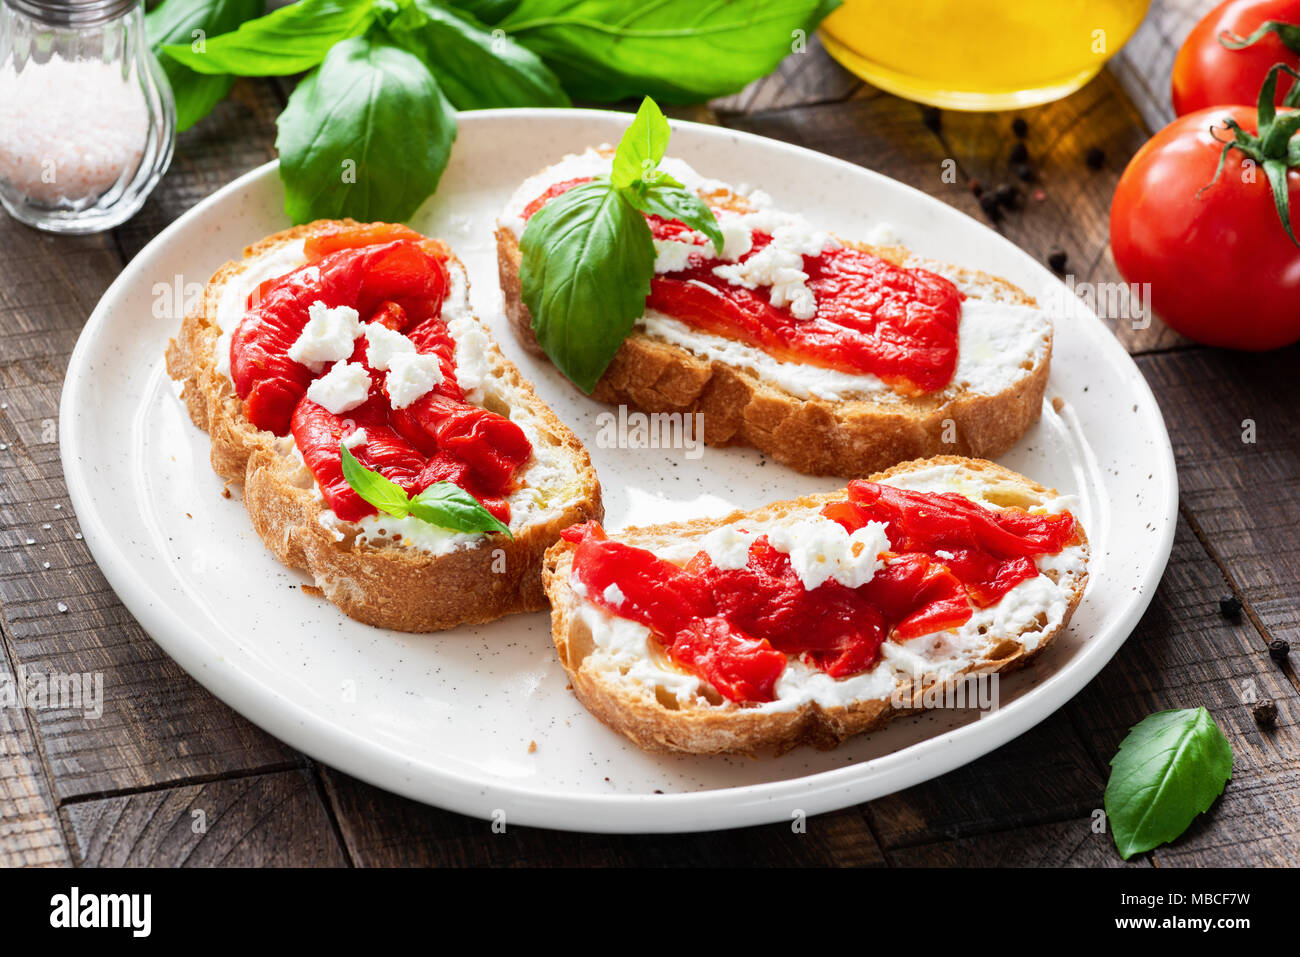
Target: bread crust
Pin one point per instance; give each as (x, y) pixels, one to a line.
(389, 585)
(814, 436)
(656, 724)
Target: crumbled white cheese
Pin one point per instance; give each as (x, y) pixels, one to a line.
(728, 547)
(473, 347)
(358, 437)
(410, 376)
(674, 256)
(327, 337)
(343, 388)
(821, 549)
(382, 344)
(781, 269)
(613, 595)
(737, 237)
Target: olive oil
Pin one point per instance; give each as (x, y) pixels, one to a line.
(980, 54)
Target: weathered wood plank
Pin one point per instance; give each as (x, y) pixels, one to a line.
(30, 835)
(270, 820)
(60, 615)
(1144, 65)
(1055, 777)
(1066, 208)
(1235, 425)
(1184, 654)
(383, 830)
(1071, 843)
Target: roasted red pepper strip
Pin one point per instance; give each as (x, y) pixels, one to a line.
(394, 277)
(740, 667)
(873, 317)
(728, 625)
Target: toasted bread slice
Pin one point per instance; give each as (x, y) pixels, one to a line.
(401, 574)
(618, 672)
(814, 421)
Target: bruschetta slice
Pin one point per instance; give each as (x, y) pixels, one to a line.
(813, 620)
(832, 356)
(338, 339)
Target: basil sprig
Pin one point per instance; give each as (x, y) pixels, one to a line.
(588, 255)
(1170, 768)
(347, 141)
(338, 128)
(442, 503)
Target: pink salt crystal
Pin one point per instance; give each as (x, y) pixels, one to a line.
(69, 129)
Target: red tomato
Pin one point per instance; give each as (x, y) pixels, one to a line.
(1221, 267)
(1207, 73)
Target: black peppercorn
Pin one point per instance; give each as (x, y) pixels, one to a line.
(1020, 127)
(932, 118)
(1057, 261)
(1278, 649)
(1095, 157)
(1025, 172)
(1265, 713)
(1008, 196)
(992, 209)
(1230, 607)
(1019, 153)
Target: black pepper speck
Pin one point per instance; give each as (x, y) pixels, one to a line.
(1265, 713)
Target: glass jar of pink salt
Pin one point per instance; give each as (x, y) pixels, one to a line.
(87, 122)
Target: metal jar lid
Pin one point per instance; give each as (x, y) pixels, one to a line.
(73, 13)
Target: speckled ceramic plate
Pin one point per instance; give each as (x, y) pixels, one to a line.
(479, 719)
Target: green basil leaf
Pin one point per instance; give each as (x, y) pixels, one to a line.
(385, 495)
(1170, 768)
(641, 147)
(477, 69)
(284, 42)
(677, 202)
(485, 11)
(587, 261)
(679, 51)
(367, 135)
(178, 22)
(450, 506)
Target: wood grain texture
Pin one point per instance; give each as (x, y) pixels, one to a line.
(383, 830)
(1184, 654)
(269, 820)
(59, 615)
(1242, 496)
(1072, 843)
(30, 835)
(1055, 778)
(1144, 65)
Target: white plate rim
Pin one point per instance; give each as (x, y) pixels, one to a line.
(715, 809)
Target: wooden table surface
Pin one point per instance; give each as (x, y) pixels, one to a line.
(123, 789)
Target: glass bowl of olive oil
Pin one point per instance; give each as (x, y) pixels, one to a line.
(980, 54)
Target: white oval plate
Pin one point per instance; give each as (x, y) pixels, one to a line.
(450, 719)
